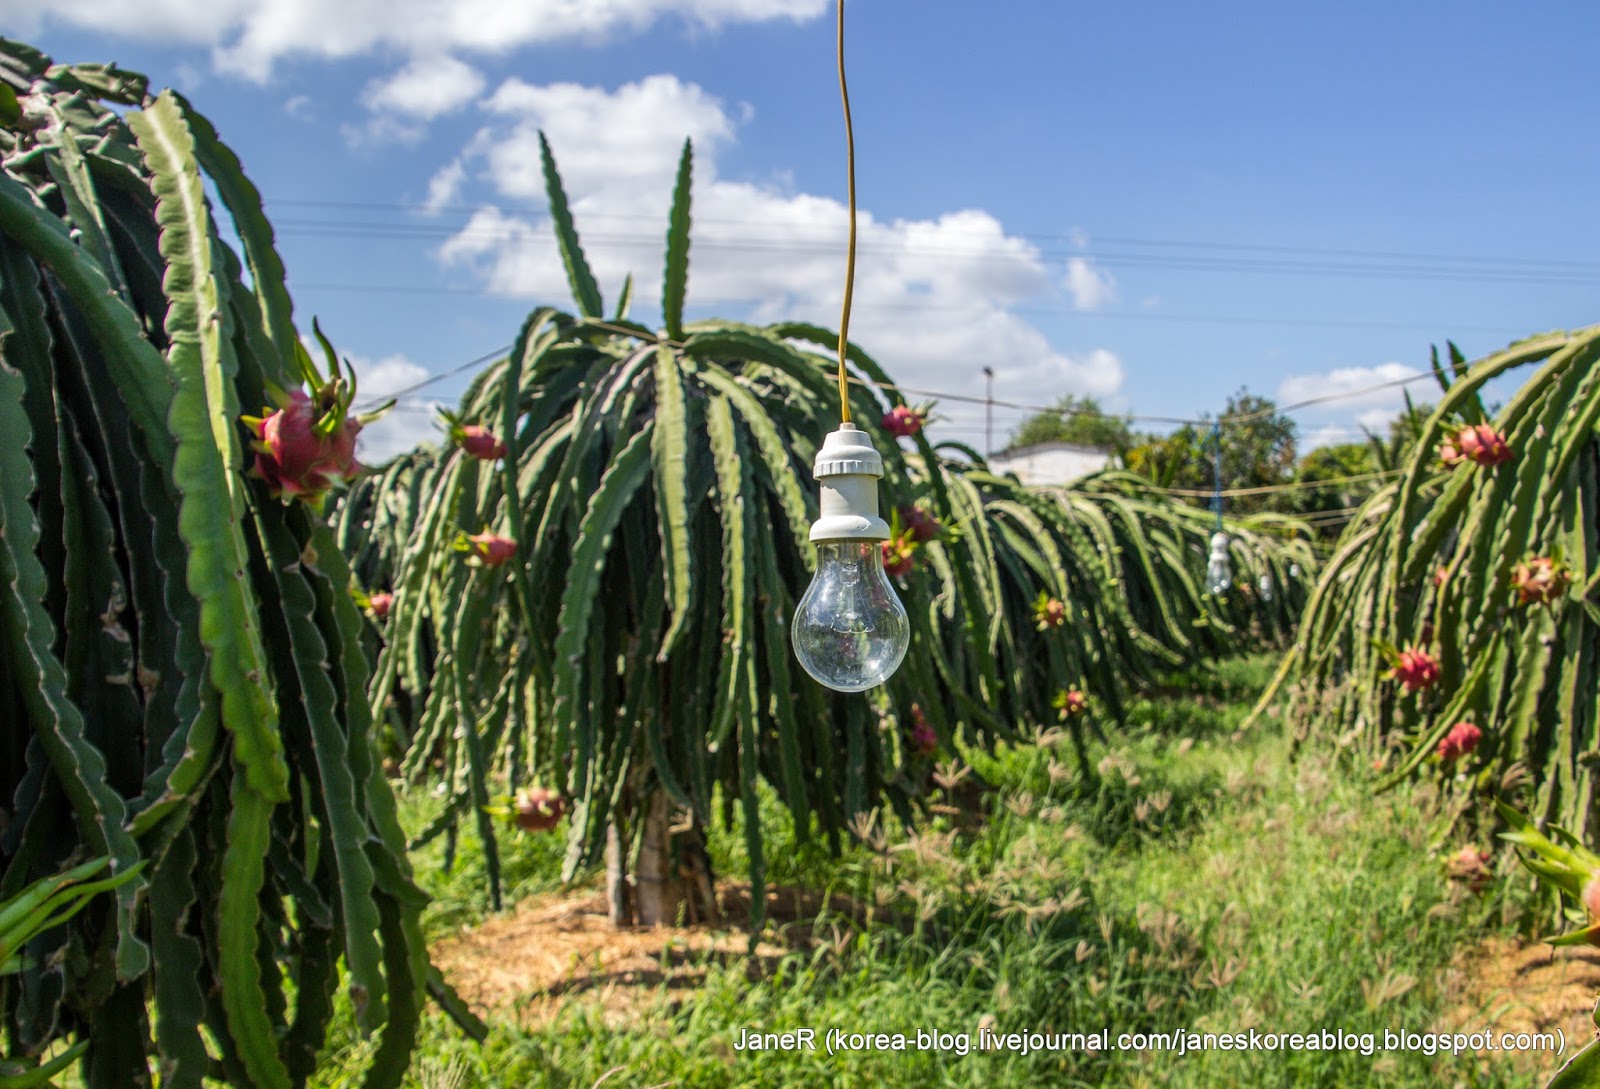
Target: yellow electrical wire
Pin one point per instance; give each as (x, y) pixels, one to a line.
(850, 249)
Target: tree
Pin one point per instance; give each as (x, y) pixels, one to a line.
(1258, 450)
(1075, 419)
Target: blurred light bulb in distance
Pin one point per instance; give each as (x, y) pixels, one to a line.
(1265, 585)
(850, 631)
(1219, 572)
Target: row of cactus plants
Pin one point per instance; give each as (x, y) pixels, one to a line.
(588, 587)
(1457, 625)
(182, 678)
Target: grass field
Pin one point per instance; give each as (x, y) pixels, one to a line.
(1194, 878)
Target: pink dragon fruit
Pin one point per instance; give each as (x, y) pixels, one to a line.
(479, 442)
(919, 523)
(903, 422)
(1461, 740)
(489, 549)
(1416, 669)
(1483, 445)
(294, 455)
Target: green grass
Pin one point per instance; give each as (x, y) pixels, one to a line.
(1194, 878)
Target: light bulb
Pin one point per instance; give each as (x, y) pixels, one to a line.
(1219, 572)
(850, 631)
(1265, 585)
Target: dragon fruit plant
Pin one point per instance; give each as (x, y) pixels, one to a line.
(182, 680)
(1489, 566)
(657, 483)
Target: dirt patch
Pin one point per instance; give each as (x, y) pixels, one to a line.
(549, 952)
(1514, 986)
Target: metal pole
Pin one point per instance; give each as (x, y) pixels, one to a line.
(988, 412)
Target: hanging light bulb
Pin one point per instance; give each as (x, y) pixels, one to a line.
(1265, 586)
(1219, 572)
(850, 631)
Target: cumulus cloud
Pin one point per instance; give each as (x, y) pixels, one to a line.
(248, 36)
(1090, 287)
(1350, 383)
(935, 298)
(427, 88)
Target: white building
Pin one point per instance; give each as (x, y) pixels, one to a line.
(1052, 462)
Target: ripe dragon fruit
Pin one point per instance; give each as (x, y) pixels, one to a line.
(305, 446)
(1461, 740)
(1484, 445)
(380, 603)
(923, 738)
(1071, 702)
(1416, 669)
(478, 442)
(538, 809)
(1540, 581)
(903, 422)
(487, 549)
(919, 523)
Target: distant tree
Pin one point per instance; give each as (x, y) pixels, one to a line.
(1075, 419)
(1332, 467)
(1258, 450)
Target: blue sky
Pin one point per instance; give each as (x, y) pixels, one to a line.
(1154, 203)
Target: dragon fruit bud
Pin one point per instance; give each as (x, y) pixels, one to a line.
(922, 735)
(919, 523)
(1540, 581)
(538, 809)
(899, 555)
(1470, 865)
(1416, 669)
(1440, 577)
(1050, 613)
(380, 603)
(1483, 445)
(491, 549)
(481, 443)
(1449, 456)
(1461, 740)
(903, 422)
(1071, 702)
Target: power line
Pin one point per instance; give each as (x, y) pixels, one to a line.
(1081, 246)
(1024, 311)
(1112, 259)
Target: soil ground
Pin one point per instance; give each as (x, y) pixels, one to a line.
(549, 952)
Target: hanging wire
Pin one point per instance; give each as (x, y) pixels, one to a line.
(1216, 472)
(850, 246)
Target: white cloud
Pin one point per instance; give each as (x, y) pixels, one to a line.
(444, 187)
(428, 87)
(383, 128)
(403, 427)
(249, 36)
(298, 107)
(934, 298)
(1350, 383)
(1090, 287)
